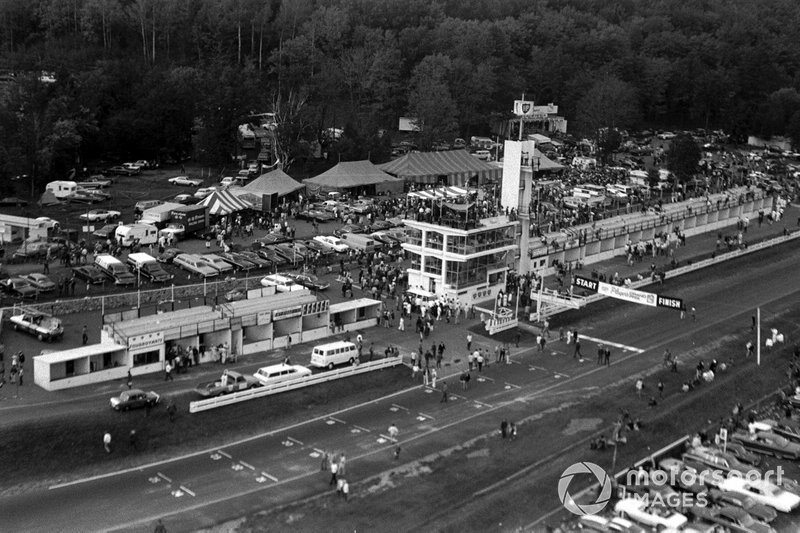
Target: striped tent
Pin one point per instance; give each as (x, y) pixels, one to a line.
(224, 203)
(440, 193)
(427, 167)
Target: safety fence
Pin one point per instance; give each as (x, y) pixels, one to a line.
(268, 390)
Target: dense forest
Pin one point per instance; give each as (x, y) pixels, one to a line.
(145, 78)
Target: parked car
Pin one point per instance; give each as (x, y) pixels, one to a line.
(381, 225)
(121, 171)
(332, 243)
(271, 375)
(43, 327)
(217, 262)
(230, 381)
(290, 251)
(106, 232)
(273, 257)
(133, 166)
(639, 511)
(320, 215)
(281, 283)
(787, 431)
(203, 192)
(134, 399)
(768, 443)
(39, 281)
(238, 261)
(732, 518)
(762, 491)
(756, 510)
(316, 246)
(195, 265)
(349, 228)
(90, 274)
(34, 250)
(18, 288)
(97, 215)
(254, 258)
(169, 255)
(185, 199)
(272, 238)
(362, 207)
(185, 181)
(177, 231)
(310, 281)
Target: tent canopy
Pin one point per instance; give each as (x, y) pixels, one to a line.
(354, 175)
(442, 192)
(545, 163)
(273, 182)
(224, 203)
(426, 167)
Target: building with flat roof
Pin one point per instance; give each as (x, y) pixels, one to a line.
(459, 254)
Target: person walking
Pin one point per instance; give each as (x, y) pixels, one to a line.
(171, 410)
(345, 490)
(639, 387)
(601, 352)
(85, 336)
(660, 389)
(504, 428)
(130, 379)
(469, 341)
(160, 528)
(168, 372)
(393, 432)
(607, 356)
(107, 442)
(426, 376)
(577, 354)
(434, 375)
(444, 392)
(402, 325)
(479, 359)
(342, 462)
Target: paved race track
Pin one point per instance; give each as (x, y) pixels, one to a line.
(284, 465)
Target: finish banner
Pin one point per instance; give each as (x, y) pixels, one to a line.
(630, 295)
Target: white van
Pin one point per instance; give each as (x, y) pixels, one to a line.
(129, 234)
(270, 375)
(335, 353)
(62, 189)
(355, 241)
(114, 268)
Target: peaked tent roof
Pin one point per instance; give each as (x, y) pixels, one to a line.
(545, 163)
(276, 181)
(224, 203)
(349, 174)
(426, 167)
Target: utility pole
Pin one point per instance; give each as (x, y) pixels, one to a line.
(758, 336)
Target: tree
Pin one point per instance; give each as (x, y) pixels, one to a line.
(430, 102)
(609, 103)
(683, 157)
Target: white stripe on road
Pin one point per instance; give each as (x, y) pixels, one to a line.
(251, 467)
(426, 416)
(482, 403)
(512, 385)
(294, 440)
(361, 428)
(273, 478)
(609, 343)
(165, 478)
(187, 491)
(400, 407)
(224, 454)
(336, 420)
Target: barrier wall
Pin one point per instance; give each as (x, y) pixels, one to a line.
(322, 377)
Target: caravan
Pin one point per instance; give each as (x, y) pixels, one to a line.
(62, 189)
(131, 234)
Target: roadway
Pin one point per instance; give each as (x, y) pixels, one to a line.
(283, 465)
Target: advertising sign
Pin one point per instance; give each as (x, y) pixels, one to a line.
(630, 295)
(523, 108)
(287, 313)
(148, 340)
